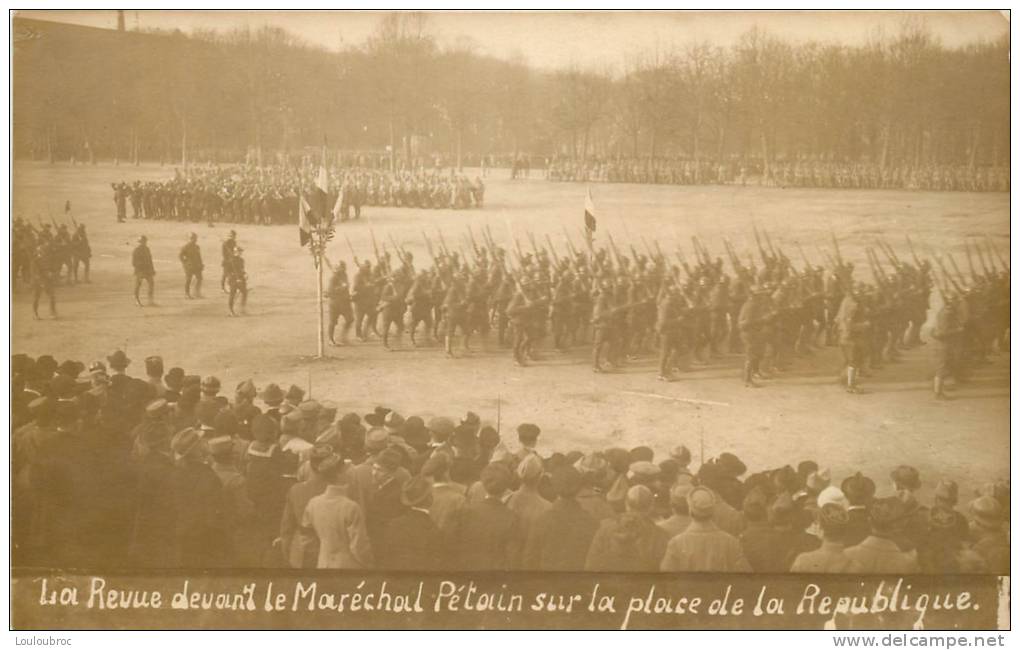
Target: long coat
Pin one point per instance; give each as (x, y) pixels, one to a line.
(411, 541)
(560, 537)
(300, 549)
(201, 502)
(628, 542)
(486, 536)
(154, 536)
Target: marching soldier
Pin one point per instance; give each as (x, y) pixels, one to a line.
(81, 252)
(754, 318)
(191, 260)
(339, 304)
(42, 279)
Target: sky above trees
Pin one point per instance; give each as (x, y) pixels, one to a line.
(604, 41)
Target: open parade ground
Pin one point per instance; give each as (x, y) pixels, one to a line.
(799, 415)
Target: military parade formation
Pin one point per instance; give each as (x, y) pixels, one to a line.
(44, 256)
(686, 312)
(164, 471)
(267, 195)
(800, 173)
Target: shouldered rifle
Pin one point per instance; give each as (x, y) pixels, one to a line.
(375, 246)
(835, 244)
(970, 260)
(442, 242)
(946, 274)
(351, 248)
(761, 249)
(913, 252)
(956, 268)
(428, 247)
(474, 244)
(616, 253)
(1002, 260)
(552, 250)
(570, 244)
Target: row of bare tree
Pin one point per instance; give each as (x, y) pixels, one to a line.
(902, 99)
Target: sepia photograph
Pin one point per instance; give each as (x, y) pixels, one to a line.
(510, 320)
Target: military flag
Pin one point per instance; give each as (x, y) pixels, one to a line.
(304, 220)
(589, 213)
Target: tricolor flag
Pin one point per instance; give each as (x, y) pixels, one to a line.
(589, 213)
(335, 214)
(320, 195)
(314, 209)
(304, 220)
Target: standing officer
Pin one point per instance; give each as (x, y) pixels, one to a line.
(141, 260)
(237, 280)
(227, 250)
(191, 260)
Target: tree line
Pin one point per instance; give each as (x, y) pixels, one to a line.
(898, 99)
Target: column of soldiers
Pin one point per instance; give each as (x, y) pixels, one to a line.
(767, 308)
(268, 195)
(45, 257)
(110, 469)
(800, 173)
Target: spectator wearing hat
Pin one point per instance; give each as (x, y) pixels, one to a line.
(156, 414)
(711, 475)
(411, 541)
(560, 536)
(244, 408)
(946, 497)
(486, 535)
(789, 521)
(440, 430)
(239, 510)
(173, 382)
(447, 497)
(527, 437)
(154, 375)
(338, 523)
(990, 539)
(593, 469)
(859, 491)
(879, 552)
(272, 397)
(210, 387)
(704, 546)
(682, 455)
(760, 542)
(913, 528)
(153, 539)
(728, 486)
(831, 557)
(678, 522)
(202, 539)
(265, 469)
(629, 542)
(945, 551)
(300, 548)
(526, 502)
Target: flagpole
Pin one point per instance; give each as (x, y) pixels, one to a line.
(322, 331)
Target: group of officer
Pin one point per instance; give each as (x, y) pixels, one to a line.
(45, 257)
(768, 308)
(233, 278)
(166, 470)
(268, 195)
(782, 173)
